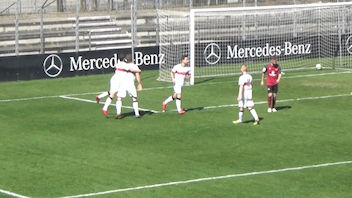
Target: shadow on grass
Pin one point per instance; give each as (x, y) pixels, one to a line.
(283, 107)
(131, 114)
(252, 121)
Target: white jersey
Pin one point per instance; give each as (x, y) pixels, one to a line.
(130, 77)
(127, 82)
(180, 74)
(246, 80)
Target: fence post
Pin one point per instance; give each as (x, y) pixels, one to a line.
(77, 26)
(42, 41)
(133, 27)
(16, 31)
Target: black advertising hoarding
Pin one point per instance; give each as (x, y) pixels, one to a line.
(238, 51)
(43, 66)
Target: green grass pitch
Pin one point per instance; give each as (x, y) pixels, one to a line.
(54, 147)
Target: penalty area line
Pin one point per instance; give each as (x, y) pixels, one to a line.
(11, 194)
(212, 178)
(91, 101)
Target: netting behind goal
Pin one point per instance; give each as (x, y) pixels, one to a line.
(219, 40)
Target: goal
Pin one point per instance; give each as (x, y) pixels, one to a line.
(220, 40)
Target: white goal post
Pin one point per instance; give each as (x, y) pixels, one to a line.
(219, 40)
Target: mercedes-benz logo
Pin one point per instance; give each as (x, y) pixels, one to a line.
(212, 53)
(349, 44)
(52, 65)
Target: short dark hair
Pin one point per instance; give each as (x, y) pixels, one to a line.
(273, 58)
(183, 57)
(121, 57)
(128, 58)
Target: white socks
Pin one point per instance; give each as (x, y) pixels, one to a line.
(118, 107)
(240, 116)
(135, 108)
(107, 103)
(169, 99)
(254, 114)
(178, 105)
(104, 94)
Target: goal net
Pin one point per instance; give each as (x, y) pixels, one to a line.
(220, 40)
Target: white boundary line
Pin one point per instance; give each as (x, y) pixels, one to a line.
(211, 178)
(91, 101)
(12, 194)
(166, 87)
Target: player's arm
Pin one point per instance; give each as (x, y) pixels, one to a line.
(134, 70)
(263, 75)
(279, 77)
(188, 74)
(240, 92)
(172, 74)
(139, 81)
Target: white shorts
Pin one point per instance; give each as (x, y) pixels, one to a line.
(178, 88)
(246, 101)
(246, 104)
(114, 84)
(130, 89)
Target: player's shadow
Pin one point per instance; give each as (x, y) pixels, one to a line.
(251, 121)
(283, 107)
(131, 114)
(195, 109)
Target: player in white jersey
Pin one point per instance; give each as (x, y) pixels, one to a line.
(127, 85)
(178, 74)
(244, 98)
(116, 82)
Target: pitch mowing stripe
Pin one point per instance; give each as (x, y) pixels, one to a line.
(166, 87)
(212, 178)
(91, 101)
(12, 194)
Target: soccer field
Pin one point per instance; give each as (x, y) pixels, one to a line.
(55, 141)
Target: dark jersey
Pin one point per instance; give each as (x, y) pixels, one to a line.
(272, 74)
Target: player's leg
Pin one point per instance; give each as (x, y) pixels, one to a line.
(107, 103)
(120, 96)
(102, 95)
(275, 90)
(270, 101)
(240, 112)
(178, 103)
(135, 107)
(118, 107)
(132, 92)
(253, 112)
(169, 99)
(114, 86)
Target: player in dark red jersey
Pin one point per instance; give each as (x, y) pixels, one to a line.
(273, 77)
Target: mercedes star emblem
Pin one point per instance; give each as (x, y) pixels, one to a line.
(212, 53)
(52, 65)
(349, 44)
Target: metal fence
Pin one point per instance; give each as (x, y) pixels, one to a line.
(33, 6)
(43, 26)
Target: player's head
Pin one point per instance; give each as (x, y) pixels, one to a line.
(244, 68)
(273, 60)
(121, 57)
(184, 60)
(128, 58)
